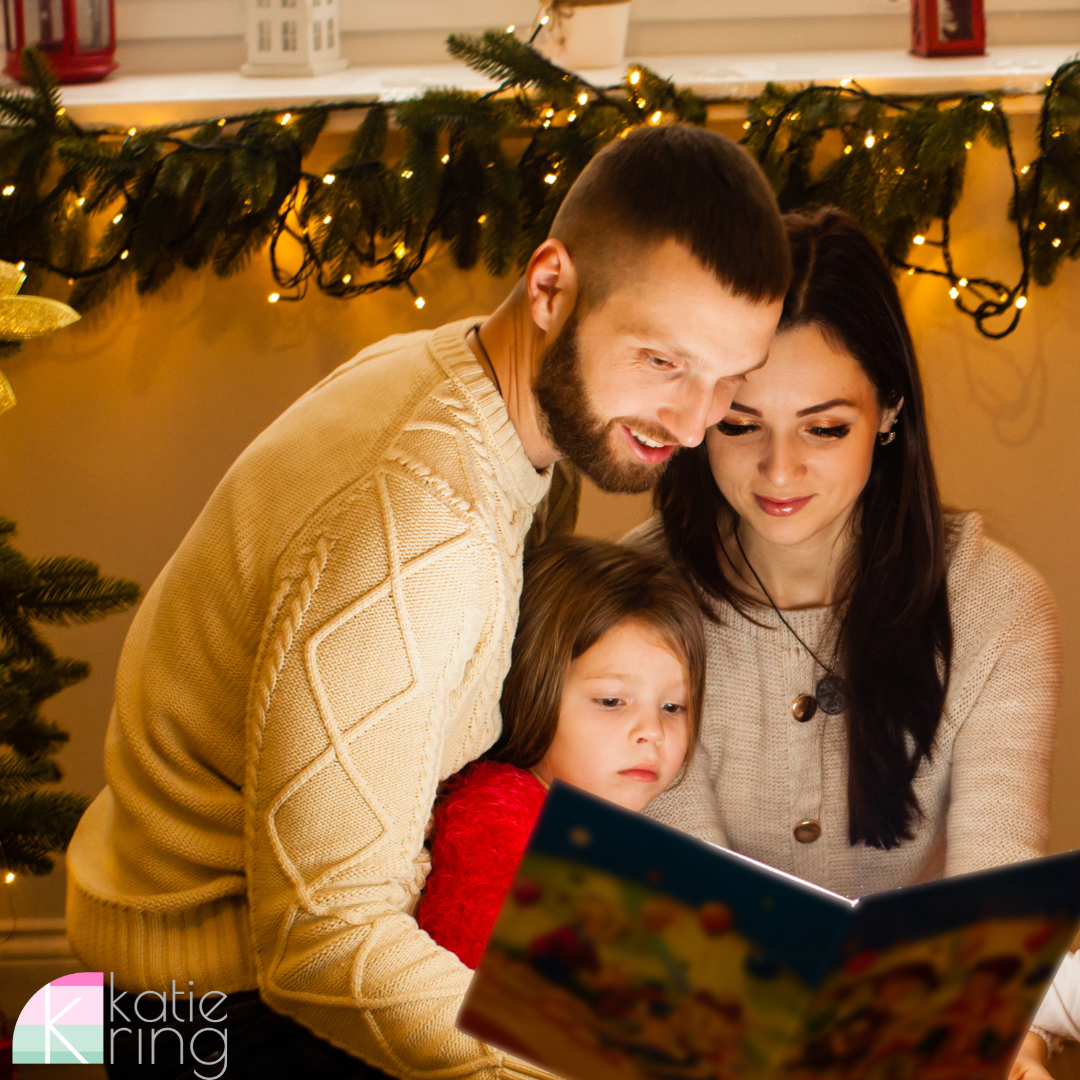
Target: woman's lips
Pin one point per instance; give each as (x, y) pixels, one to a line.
(648, 775)
(782, 507)
(653, 455)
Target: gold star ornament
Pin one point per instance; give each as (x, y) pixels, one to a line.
(24, 317)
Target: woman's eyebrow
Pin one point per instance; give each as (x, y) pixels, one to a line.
(823, 406)
(737, 406)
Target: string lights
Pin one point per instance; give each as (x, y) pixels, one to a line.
(216, 192)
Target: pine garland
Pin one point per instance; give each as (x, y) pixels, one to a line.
(482, 175)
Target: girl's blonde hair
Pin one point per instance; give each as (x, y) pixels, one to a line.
(575, 590)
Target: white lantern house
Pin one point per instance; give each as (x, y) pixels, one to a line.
(293, 37)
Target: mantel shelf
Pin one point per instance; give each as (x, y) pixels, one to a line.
(154, 99)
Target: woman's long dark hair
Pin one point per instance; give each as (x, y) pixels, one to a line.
(895, 645)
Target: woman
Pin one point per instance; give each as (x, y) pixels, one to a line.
(883, 678)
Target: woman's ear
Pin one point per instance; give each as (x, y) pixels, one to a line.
(889, 417)
(551, 283)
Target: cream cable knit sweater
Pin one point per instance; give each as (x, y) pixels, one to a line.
(985, 794)
(327, 644)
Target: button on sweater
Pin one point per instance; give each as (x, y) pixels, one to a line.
(325, 647)
(775, 789)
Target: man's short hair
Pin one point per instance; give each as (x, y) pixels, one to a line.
(681, 183)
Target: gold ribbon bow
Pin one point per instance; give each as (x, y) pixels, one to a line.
(24, 317)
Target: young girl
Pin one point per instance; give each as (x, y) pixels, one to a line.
(604, 692)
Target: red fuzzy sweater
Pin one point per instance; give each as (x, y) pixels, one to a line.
(481, 826)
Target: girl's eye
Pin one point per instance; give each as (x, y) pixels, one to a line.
(836, 432)
(726, 428)
(609, 702)
(673, 707)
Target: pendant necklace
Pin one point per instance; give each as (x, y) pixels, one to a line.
(830, 693)
(479, 341)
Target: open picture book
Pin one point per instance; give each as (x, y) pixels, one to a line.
(626, 949)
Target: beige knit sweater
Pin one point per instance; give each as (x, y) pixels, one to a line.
(985, 794)
(327, 644)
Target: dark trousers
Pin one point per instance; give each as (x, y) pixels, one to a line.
(240, 1038)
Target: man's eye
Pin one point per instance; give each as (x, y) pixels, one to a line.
(660, 362)
(836, 432)
(726, 428)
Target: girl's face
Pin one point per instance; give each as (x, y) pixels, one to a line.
(794, 451)
(623, 723)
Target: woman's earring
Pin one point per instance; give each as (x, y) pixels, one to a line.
(886, 437)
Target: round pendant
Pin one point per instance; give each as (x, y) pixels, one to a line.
(831, 695)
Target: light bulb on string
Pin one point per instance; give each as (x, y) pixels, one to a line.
(420, 302)
(9, 189)
(918, 240)
(1064, 205)
(329, 178)
(274, 297)
(1021, 302)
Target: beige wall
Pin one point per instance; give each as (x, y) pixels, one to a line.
(125, 424)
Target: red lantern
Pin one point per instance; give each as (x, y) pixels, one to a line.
(78, 36)
(948, 27)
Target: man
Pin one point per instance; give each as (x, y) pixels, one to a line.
(329, 641)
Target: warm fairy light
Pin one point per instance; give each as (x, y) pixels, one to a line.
(1063, 205)
(900, 170)
(845, 82)
(920, 240)
(9, 189)
(911, 270)
(274, 297)
(286, 118)
(124, 254)
(988, 106)
(545, 20)
(583, 98)
(481, 219)
(967, 145)
(326, 220)
(119, 217)
(222, 122)
(1021, 302)
(635, 78)
(1024, 170)
(20, 266)
(81, 200)
(847, 149)
(399, 250)
(346, 279)
(870, 140)
(329, 178)
(61, 111)
(550, 178)
(746, 125)
(963, 283)
(1056, 242)
(420, 301)
(656, 117)
(511, 28)
(954, 292)
(133, 131)
(1042, 225)
(641, 103)
(550, 113)
(445, 159)
(547, 123)
(9, 877)
(406, 174)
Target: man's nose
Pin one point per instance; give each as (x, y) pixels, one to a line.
(688, 418)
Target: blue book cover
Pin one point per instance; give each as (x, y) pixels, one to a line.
(625, 950)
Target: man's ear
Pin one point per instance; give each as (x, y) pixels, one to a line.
(551, 283)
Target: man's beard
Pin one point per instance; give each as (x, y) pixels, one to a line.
(577, 432)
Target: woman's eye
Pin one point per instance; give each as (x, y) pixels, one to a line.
(726, 428)
(836, 432)
(673, 707)
(609, 702)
